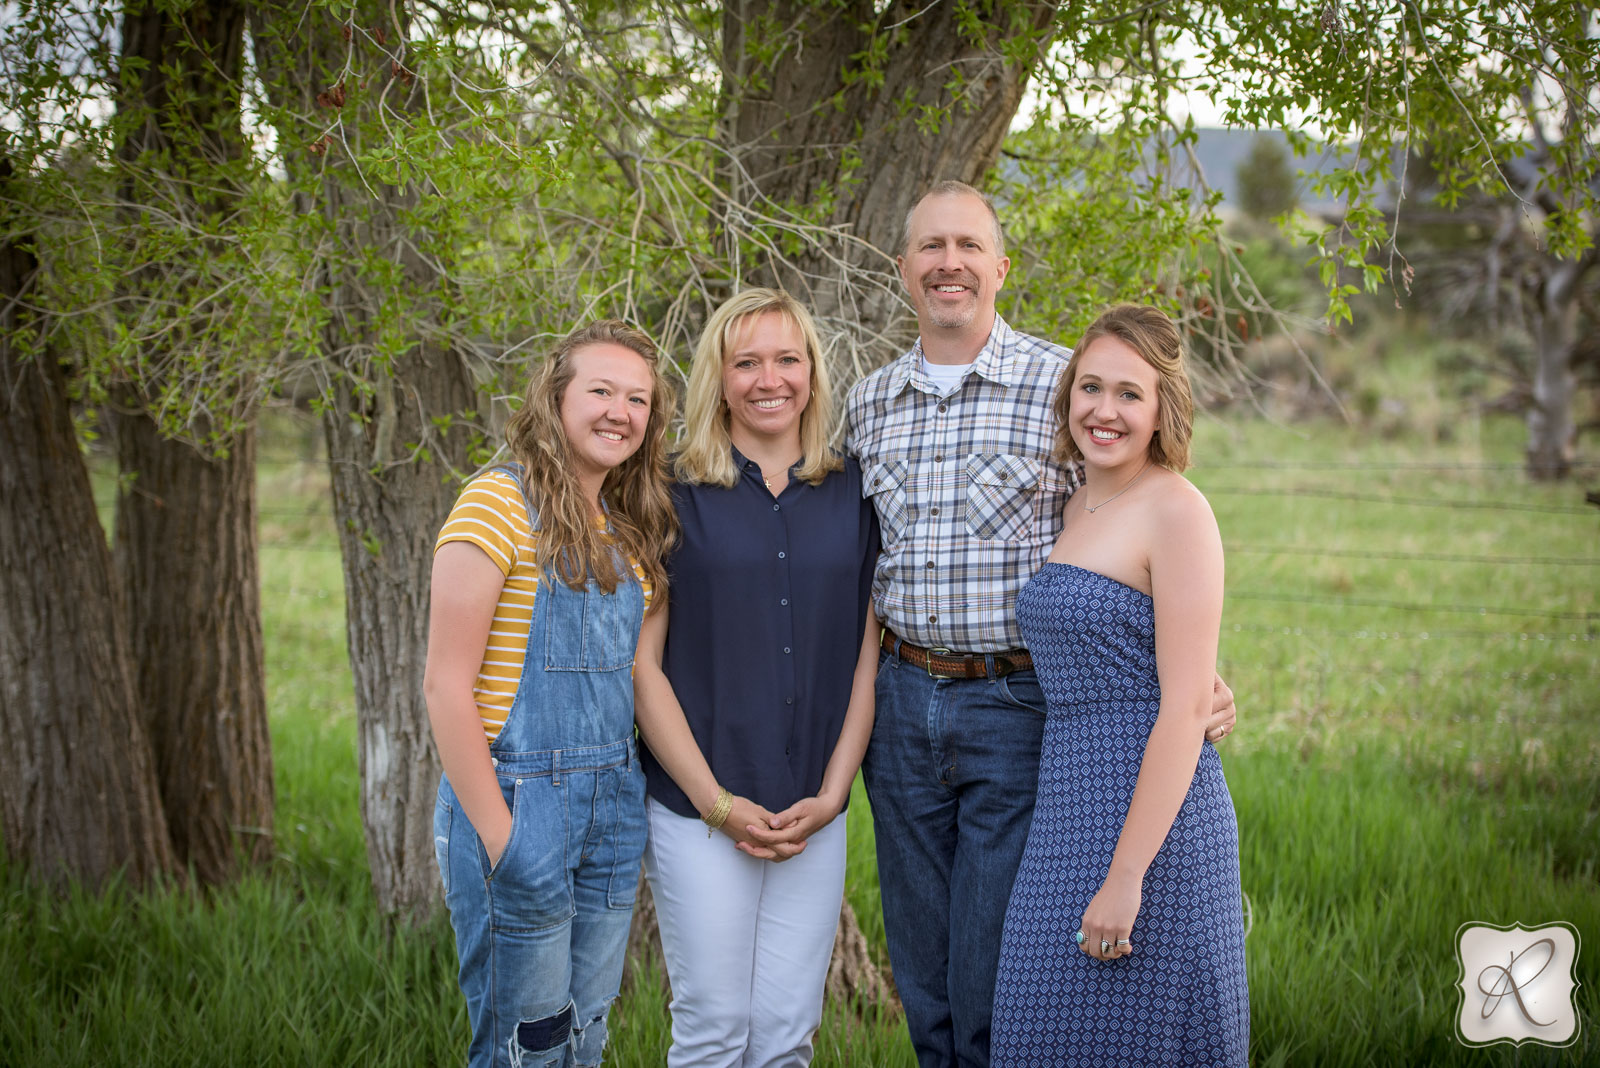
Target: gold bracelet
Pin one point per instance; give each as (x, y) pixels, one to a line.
(719, 812)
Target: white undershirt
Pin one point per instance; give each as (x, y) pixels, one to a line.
(946, 376)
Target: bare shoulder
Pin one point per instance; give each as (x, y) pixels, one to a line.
(1178, 497)
(1182, 513)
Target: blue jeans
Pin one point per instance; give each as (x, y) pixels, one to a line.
(951, 773)
(542, 935)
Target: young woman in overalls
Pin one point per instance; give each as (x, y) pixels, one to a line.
(541, 578)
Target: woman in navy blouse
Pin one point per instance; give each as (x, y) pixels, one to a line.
(753, 691)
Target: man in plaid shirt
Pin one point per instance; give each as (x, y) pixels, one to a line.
(955, 440)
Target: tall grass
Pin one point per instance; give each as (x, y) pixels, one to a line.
(1417, 749)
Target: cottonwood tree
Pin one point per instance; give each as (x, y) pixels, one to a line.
(400, 167)
(185, 541)
(78, 794)
(127, 128)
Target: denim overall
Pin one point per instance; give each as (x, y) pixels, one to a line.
(541, 935)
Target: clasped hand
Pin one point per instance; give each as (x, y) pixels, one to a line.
(781, 836)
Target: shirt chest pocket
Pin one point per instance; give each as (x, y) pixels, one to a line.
(1001, 488)
(885, 484)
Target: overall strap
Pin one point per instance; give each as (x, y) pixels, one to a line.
(514, 469)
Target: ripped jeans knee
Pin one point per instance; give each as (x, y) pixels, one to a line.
(542, 1043)
(589, 1039)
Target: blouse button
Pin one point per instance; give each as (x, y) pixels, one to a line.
(785, 650)
(933, 619)
(775, 508)
(780, 555)
(943, 408)
(933, 511)
(938, 459)
(788, 700)
(783, 600)
(930, 565)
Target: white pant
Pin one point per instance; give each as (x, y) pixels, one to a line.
(747, 942)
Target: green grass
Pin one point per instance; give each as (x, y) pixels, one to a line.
(1417, 749)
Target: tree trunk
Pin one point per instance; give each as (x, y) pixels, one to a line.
(786, 116)
(186, 554)
(1552, 434)
(186, 522)
(389, 511)
(784, 119)
(853, 976)
(78, 790)
(393, 468)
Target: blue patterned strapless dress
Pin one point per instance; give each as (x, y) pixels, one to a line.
(1180, 997)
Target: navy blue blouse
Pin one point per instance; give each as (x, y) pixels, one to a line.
(767, 599)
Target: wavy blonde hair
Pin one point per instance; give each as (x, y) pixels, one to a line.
(1148, 331)
(643, 522)
(705, 456)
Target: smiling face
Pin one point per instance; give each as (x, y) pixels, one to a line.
(1114, 411)
(952, 267)
(605, 409)
(766, 380)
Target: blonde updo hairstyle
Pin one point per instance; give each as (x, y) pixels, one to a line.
(1149, 332)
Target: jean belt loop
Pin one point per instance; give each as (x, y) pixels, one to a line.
(555, 767)
(988, 666)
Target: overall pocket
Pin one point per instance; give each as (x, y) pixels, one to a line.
(630, 826)
(530, 887)
(1000, 492)
(591, 630)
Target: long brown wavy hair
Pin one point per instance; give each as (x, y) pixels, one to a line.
(643, 522)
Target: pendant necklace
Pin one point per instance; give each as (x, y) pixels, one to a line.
(767, 482)
(1092, 508)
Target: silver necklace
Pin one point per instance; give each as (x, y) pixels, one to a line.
(1092, 508)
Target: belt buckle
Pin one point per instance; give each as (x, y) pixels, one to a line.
(928, 665)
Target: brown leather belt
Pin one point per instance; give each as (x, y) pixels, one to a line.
(944, 664)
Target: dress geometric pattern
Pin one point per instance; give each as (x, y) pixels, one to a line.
(1180, 997)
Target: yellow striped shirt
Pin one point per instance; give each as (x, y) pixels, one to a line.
(490, 514)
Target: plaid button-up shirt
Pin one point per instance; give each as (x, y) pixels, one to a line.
(969, 500)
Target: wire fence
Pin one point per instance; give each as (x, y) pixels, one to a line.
(1588, 510)
(1581, 623)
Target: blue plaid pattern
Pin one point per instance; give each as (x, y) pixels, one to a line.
(968, 498)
